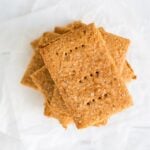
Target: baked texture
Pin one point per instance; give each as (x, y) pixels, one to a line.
(54, 106)
(36, 61)
(42, 77)
(127, 73)
(35, 64)
(86, 76)
(116, 45)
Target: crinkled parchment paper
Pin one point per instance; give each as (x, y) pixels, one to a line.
(22, 123)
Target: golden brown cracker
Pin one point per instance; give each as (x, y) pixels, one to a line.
(42, 77)
(63, 30)
(111, 40)
(46, 38)
(54, 105)
(86, 76)
(36, 61)
(59, 109)
(116, 45)
(127, 74)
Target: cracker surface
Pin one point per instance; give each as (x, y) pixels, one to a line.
(86, 76)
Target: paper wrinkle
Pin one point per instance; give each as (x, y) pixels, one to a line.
(8, 142)
(11, 9)
(135, 139)
(21, 108)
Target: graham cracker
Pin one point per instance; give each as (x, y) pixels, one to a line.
(42, 77)
(86, 76)
(55, 106)
(64, 30)
(46, 38)
(59, 108)
(116, 45)
(36, 61)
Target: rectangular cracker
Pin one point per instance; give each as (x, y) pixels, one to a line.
(42, 77)
(36, 61)
(66, 29)
(86, 76)
(42, 42)
(127, 74)
(54, 106)
(116, 45)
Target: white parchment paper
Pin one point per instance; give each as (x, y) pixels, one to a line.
(22, 123)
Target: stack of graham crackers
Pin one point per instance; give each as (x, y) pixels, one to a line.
(82, 72)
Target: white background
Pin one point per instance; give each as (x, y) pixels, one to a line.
(22, 125)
